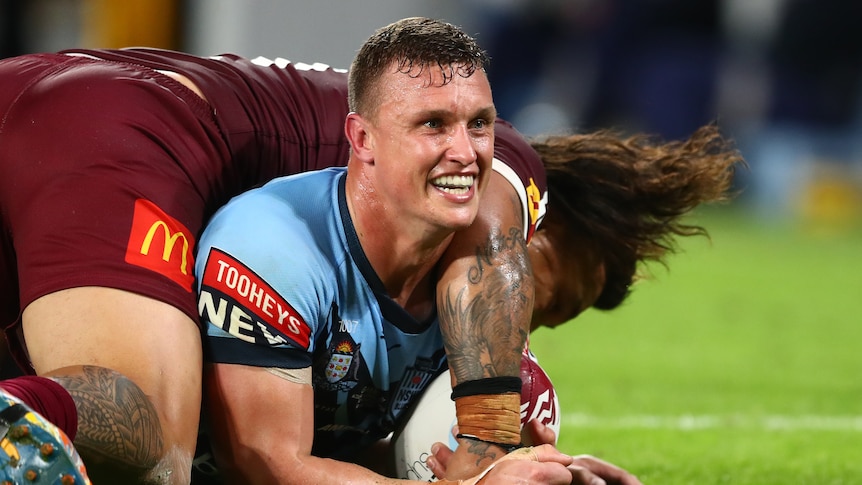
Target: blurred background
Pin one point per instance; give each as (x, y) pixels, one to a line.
(782, 77)
(739, 362)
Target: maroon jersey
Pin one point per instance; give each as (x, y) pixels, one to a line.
(304, 106)
(516, 160)
(109, 169)
(275, 117)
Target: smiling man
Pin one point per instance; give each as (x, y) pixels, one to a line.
(350, 254)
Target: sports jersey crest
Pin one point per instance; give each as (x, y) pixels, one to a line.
(340, 359)
(340, 363)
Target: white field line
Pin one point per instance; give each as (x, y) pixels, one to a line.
(688, 422)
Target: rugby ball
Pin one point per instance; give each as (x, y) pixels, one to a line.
(433, 417)
(538, 396)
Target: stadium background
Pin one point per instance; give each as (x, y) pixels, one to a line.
(738, 363)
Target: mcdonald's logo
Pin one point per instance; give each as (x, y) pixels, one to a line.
(161, 243)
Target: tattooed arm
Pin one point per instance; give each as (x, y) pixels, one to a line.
(485, 300)
(115, 418)
(485, 292)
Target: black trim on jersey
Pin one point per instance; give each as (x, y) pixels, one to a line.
(391, 311)
(235, 351)
(353, 243)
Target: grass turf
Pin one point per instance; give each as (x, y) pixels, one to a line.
(739, 364)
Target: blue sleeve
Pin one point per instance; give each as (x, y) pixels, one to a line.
(258, 295)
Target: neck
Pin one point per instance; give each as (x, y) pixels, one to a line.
(403, 255)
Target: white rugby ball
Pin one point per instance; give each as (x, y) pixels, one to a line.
(433, 417)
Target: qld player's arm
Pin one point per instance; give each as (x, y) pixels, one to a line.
(485, 294)
(484, 302)
(485, 291)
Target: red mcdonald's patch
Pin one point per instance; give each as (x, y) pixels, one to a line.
(161, 243)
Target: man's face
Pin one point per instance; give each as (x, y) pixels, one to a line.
(567, 281)
(433, 145)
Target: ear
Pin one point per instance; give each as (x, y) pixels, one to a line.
(357, 130)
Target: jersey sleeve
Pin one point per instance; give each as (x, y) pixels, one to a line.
(516, 160)
(257, 296)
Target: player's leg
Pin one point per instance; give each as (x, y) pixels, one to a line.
(33, 449)
(132, 364)
(98, 170)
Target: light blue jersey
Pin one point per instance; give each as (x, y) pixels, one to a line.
(283, 282)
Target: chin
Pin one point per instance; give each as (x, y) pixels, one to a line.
(462, 219)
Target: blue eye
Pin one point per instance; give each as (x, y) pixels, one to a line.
(480, 124)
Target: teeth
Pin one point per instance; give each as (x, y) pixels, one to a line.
(454, 190)
(454, 184)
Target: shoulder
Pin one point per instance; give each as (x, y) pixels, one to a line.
(517, 161)
(281, 201)
(296, 190)
(284, 213)
(514, 150)
(270, 254)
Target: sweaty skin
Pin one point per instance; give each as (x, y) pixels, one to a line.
(484, 302)
(484, 298)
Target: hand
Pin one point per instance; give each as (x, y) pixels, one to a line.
(589, 470)
(536, 433)
(530, 465)
(533, 433)
(584, 469)
(552, 461)
(468, 459)
(438, 462)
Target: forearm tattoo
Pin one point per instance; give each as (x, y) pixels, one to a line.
(484, 453)
(485, 321)
(495, 253)
(117, 423)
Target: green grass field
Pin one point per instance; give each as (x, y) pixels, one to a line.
(739, 364)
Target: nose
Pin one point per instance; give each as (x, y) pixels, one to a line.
(462, 148)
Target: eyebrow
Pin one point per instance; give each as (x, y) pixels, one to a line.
(488, 112)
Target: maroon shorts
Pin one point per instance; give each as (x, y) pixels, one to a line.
(106, 174)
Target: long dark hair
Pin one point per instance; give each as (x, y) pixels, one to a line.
(628, 194)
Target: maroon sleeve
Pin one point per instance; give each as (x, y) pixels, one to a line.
(516, 160)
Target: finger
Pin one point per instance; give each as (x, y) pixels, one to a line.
(612, 474)
(522, 472)
(541, 454)
(536, 433)
(529, 432)
(547, 453)
(441, 453)
(582, 476)
(438, 462)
